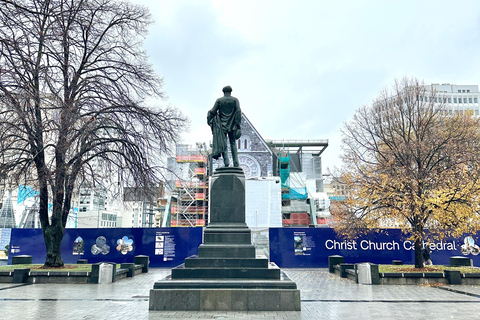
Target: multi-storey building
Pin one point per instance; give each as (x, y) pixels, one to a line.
(7, 215)
(140, 205)
(457, 98)
(90, 209)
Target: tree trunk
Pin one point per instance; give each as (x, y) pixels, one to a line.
(53, 235)
(418, 253)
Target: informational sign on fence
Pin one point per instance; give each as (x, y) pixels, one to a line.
(289, 247)
(310, 247)
(166, 247)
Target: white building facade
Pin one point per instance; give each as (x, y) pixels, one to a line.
(457, 98)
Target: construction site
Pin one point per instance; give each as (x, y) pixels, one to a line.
(284, 187)
(284, 183)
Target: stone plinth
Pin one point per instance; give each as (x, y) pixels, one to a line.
(226, 275)
(225, 299)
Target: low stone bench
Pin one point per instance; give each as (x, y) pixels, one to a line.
(121, 274)
(344, 267)
(20, 275)
(142, 260)
(138, 269)
(453, 276)
(6, 276)
(59, 277)
(333, 261)
(22, 259)
(351, 271)
(351, 274)
(130, 267)
(459, 261)
(412, 278)
(392, 275)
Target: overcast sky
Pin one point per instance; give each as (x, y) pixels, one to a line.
(301, 68)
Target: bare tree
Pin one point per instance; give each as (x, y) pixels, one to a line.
(73, 88)
(411, 163)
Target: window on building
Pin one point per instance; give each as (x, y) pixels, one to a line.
(468, 90)
(464, 100)
(469, 100)
(454, 100)
(449, 100)
(475, 100)
(459, 90)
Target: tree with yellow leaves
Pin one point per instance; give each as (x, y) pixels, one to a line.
(411, 163)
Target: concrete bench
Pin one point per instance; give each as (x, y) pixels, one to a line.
(332, 261)
(453, 276)
(22, 259)
(344, 267)
(459, 261)
(142, 260)
(20, 275)
(351, 274)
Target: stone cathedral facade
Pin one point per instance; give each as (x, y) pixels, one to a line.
(254, 155)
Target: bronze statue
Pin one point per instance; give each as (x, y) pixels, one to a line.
(225, 118)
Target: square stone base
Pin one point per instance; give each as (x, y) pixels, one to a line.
(225, 299)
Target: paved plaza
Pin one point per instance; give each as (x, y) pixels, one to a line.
(324, 296)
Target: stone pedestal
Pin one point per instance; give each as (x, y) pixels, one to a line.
(226, 275)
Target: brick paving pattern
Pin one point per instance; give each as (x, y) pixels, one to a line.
(324, 296)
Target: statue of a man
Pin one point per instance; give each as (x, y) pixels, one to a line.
(225, 118)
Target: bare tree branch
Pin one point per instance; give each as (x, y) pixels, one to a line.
(73, 88)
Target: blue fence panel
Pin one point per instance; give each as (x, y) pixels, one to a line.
(289, 247)
(310, 248)
(166, 247)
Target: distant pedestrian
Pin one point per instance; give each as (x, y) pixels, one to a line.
(426, 255)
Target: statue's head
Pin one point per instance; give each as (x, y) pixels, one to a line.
(227, 89)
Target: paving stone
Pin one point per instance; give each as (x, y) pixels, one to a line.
(324, 296)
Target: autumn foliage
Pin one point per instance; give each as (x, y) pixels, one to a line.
(410, 163)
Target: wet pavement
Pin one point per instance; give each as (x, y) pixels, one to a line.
(323, 295)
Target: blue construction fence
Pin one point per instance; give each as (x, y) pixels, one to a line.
(311, 247)
(166, 247)
(289, 247)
